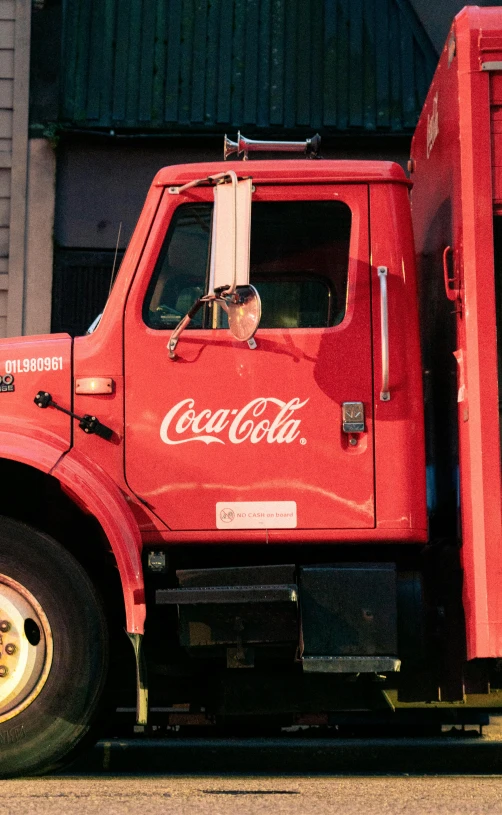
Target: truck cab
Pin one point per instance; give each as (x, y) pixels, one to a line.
(234, 473)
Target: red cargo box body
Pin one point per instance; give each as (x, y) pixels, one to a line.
(457, 174)
(224, 424)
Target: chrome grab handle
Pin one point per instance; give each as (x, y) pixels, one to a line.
(384, 318)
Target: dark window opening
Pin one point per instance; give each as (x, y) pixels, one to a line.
(80, 287)
(299, 264)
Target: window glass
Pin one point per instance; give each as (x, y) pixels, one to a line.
(299, 264)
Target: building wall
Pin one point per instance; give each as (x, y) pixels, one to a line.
(27, 183)
(7, 54)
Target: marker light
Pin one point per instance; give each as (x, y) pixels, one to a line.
(94, 384)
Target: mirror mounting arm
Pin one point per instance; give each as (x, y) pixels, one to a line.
(174, 338)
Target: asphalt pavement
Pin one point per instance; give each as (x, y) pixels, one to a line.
(191, 795)
(455, 773)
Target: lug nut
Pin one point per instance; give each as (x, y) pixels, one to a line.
(5, 626)
(3, 671)
(10, 648)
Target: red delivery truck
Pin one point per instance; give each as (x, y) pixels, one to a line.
(235, 464)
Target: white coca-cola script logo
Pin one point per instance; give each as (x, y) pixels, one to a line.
(239, 425)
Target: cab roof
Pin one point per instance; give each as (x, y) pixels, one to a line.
(284, 171)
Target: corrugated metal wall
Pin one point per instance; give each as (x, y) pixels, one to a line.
(275, 65)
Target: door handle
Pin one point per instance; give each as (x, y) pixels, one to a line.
(384, 324)
(451, 293)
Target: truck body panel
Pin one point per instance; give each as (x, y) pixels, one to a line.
(454, 160)
(262, 496)
(28, 365)
(209, 417)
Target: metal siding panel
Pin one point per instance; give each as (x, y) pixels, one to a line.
(173, 60)
(382, 67)
(330, 62)
(263, 114)
(96, 51)
(369, 67)
(395, 74)
(159, 65)
(199, 62)
(421, 75)
(134, 61)
(304, 72)
(343, 67)
(277, 62)
(356, 64)
(147, 58)
(251, 63)
(238, 59)
(316, 65)
(407, 74)
(225, 71)
(69, 53)
(292, 62)
(79, 112)
(186, 50)
(212, 60)
(107, 79)
(121, 60)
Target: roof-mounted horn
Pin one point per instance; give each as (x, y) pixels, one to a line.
(243, 146)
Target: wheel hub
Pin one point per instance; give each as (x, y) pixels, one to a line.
(25, 648)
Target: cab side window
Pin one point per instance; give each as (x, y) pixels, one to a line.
(299, 264)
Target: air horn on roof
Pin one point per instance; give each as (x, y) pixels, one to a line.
(243, 146)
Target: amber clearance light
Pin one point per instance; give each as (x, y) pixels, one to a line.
(94, 384)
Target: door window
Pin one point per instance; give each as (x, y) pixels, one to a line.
(299, 264)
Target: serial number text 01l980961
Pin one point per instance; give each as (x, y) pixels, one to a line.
(33, 364)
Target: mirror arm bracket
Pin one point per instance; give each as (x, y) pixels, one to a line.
(174, 338)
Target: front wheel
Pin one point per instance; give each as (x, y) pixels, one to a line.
(53, 652)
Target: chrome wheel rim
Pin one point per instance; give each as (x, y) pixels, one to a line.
(25, 648)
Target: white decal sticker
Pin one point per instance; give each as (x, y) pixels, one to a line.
(182, 424)
(33, 364)
(256, 515)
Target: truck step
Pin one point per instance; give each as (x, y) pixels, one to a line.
(343, 665)
(227, 594)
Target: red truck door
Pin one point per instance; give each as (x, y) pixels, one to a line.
(230, 437)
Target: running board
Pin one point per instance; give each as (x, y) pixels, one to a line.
(346, 665)
(196, 595)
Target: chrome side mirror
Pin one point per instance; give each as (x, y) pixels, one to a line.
(243, 308)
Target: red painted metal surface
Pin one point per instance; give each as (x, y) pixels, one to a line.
(297, 171)
(171, 491)
(103, 499)
(181, 477)
(34, 364)
(453, 201)
(399, 423)
(346, 516)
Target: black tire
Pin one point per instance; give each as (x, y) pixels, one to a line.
(63, 707)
